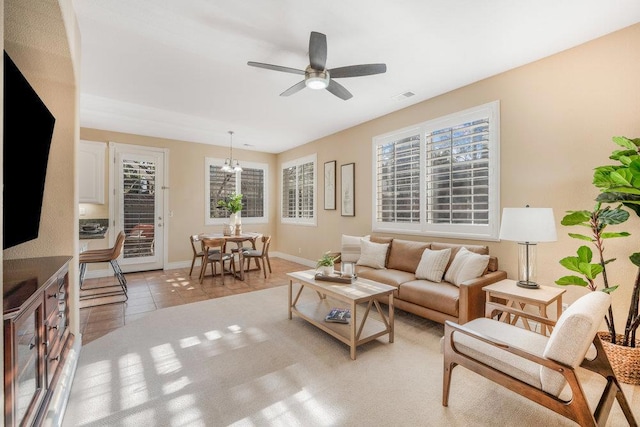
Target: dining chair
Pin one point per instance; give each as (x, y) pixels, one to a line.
(262, 254)
(214, 253)
(198, 253)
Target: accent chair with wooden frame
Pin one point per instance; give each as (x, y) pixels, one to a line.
(540, 368)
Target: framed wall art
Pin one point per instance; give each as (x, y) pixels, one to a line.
(348, 189)
(330, 185)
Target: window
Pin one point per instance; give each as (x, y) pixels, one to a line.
(441, 177)
(251, 182)
(299, 191)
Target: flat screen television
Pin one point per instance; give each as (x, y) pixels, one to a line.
(28, 128)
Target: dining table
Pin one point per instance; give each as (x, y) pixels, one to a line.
(239, 240)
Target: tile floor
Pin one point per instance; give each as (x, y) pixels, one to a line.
(152, 290)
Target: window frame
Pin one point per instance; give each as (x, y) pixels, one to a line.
(217, 162)
(312, 158)
(490, 231)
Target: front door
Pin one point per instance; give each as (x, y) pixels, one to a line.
(138, 204)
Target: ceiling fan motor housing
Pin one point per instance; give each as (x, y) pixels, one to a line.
(315, 79)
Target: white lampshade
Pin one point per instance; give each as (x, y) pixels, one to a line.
(528, 225)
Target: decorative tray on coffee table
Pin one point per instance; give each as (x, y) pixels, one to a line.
(336, 278)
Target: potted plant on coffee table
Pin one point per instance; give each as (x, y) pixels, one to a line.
(325, 263)
(619, 184)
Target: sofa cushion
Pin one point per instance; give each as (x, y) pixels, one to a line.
(382, 239)
(442, 297)
(405, 255)
(388, 277)
(350, 250)
(465, 266)
(432, 264)
(373, 254)
(477, 249)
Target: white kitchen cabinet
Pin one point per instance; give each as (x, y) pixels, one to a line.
(91, 160)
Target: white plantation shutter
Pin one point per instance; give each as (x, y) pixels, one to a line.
(398, 180)
(299, 191)
(441, 177)
(457, 174)
(251, 183)
(138, 213)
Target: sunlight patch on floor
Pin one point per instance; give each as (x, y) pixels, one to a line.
(189, 342)
(166, 360)
(133, 386)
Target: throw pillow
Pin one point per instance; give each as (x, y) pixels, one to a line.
(432, 264)
(372, 254)
(350, 250)
(466, 265)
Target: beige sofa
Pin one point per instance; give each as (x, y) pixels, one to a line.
(438, 301)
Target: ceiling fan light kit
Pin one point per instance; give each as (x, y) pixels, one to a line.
(316, 79)
(316, 76)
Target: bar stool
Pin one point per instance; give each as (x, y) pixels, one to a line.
(105, 255)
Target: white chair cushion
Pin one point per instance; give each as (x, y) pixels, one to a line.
(522, 369)
(572, 336)
(432, 264)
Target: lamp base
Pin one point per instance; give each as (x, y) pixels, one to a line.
(528, 285)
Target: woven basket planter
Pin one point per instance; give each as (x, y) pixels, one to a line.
(625, 361)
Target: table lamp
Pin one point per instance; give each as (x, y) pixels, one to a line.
(528, 226)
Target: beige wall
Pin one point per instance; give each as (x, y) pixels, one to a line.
(557, 119)
(42, 39)
(186, 187)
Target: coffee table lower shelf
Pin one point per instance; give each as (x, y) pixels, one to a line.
(315, 313)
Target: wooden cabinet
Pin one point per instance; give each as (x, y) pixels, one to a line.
(36, 334)
(91, 170)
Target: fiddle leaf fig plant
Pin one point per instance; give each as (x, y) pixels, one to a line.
(619, 184)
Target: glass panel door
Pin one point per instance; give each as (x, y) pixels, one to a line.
(139, 206)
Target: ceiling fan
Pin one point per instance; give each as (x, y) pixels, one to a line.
(316, 76)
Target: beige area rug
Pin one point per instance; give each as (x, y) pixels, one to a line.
(238, 361)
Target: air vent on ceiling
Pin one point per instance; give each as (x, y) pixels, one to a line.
(402, 96)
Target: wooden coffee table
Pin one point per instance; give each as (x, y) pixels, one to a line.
(361, 294)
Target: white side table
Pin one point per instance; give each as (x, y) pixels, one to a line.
(518, 297)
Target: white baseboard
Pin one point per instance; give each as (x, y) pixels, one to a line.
(106, 272)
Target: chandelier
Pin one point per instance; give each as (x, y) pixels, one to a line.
(228, 163)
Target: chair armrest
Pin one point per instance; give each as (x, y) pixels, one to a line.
(472, 297)
(492, 307)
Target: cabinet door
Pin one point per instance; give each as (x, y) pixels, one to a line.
(91, 161)
(26, 352)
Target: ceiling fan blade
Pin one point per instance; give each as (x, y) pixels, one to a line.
(338, 90)
(293, 89)
(357, 70)
(317, 51)
(275, 67)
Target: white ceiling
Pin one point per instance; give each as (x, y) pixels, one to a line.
(178, 68)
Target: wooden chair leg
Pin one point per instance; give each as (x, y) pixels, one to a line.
(269, 263)
(193, 262)
(264, 267)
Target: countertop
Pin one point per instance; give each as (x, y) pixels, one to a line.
(98, 233)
